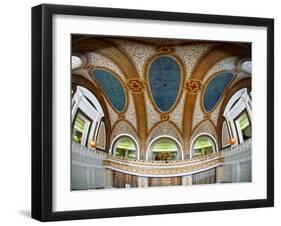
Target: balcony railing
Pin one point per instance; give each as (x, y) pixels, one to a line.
(162, 168)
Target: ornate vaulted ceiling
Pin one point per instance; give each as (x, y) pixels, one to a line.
(153, 86)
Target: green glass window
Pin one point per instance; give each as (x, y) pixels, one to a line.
(164, 150)
(125, 147)
(78, 128)
(245, 126)
(203, 146)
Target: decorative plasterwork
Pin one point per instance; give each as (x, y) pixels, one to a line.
(163, 170)
(176, 167)
(198, 114)
(193, 86)
(152, 115)
(139, 53)
(177, 114)
(164, 129)
(215, 113)
(130, 114)
(205, 127)
(123, 127)
(135, 85)
(225, 64)
(113, 115)
(191, 54)
(99, 60)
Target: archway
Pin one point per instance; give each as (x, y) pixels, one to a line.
(125, 146)
(203, 144)
(164, 148)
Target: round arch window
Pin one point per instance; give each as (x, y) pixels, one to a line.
(125, 147)
(165, 149)
(203, 145)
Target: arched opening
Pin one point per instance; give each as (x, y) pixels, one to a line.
(164, 149)
(238, 114)
(203, 145)
(88, 127)
(125, 147)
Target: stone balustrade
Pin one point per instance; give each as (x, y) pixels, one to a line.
(151, 168)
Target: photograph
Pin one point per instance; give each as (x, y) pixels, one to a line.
(156, 111)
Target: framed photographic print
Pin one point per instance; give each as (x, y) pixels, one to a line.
(147, 112)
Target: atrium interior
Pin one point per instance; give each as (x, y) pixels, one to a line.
(159, 112)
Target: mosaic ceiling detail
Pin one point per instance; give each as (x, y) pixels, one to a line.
(205, 127)
(130, 114)
(215, 89)
(123, 127)
(223, 65)
(191, 54)
(139, 53)
(164, 79)
(99, 60)
(152, 115)
(111, 87)
(176, 115)
(164, 129)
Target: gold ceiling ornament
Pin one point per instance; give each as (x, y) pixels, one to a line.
(121, 116)
(164, 49)
(193, 86)
(164, 117)
(207, 115)
(135, 85)
(89, 67)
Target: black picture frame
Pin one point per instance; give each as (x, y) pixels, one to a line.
(42, 111)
